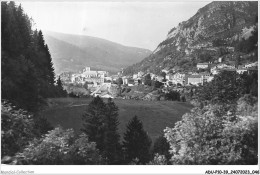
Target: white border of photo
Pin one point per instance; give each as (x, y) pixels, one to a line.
(125, 169)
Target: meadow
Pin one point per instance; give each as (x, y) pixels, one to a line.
(155, 115)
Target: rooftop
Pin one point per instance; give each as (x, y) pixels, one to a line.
(194, 76)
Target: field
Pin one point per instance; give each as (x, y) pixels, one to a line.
(155, 115)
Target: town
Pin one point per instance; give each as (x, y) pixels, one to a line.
(100, 83)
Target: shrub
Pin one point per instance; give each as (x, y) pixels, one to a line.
(173, 96)
(17, 129)
(60, 147)
(212, 136)
(158, 160)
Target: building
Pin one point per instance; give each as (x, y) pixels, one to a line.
(169, 76)
(252, 70)
(241, 70)
(251, 65)
(96, 77)
(137, 81)
(65, 77)
(178, 78)
(114, 77)
(88, 73)
(125, 80)
(231, 66)
(165, 70)
(231, 49)
(135, 76)
(108, 79)
(210, 78)
(205, 76)
(228, 69)
(152, 76)
(140, 74)
(221, 66)
(216, 69)
(202, 65)
(194, 80)
(159, 78)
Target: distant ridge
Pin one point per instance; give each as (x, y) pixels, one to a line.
(74, 52)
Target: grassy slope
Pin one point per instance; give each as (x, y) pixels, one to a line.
(155, 115)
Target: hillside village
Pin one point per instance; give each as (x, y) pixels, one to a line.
(100, 83)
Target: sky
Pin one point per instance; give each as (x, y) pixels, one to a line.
(141, 24)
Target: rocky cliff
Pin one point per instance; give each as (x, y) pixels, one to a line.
(212, 32)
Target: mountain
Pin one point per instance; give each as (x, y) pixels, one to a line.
(216, 30)
(74, 52)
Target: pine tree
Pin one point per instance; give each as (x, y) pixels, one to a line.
(60, 92)
(29, 92)
(59, 83)
(112, 146)
(44, 62)
(24, 24)
(101, 125)
(148, 80)
(51, 74)
(136, 142)
(94, 124)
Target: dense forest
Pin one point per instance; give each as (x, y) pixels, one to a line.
(27, 70)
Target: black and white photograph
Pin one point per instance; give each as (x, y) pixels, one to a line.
(126, 83)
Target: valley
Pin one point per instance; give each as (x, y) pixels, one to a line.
(70, 97)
